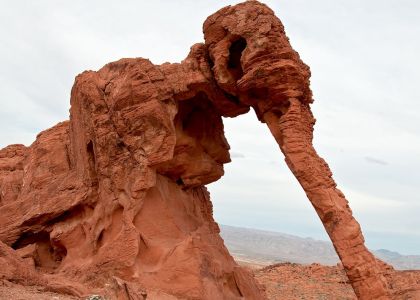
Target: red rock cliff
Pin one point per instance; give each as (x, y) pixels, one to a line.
(114, 200)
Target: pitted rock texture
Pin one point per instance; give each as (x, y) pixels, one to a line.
(315, 281)
(113, 201)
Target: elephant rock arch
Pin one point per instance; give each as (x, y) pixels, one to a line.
(114, 201)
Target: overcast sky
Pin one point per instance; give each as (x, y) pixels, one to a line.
(364, 61)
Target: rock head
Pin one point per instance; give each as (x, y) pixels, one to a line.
(113, 202)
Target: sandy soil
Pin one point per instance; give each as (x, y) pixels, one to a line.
(293, 281)
(11, 291)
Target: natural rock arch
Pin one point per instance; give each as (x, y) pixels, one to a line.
(114, 200)
(273, 80)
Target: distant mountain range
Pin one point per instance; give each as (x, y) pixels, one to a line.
(261, 247)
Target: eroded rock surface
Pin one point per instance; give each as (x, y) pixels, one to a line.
(315, 281)
(113, 201)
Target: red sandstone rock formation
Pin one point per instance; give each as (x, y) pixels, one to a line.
(260, 69)
(324, 282)
(114, 200)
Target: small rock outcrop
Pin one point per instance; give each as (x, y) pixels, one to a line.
(113, 202)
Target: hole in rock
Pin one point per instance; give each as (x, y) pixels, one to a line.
(89, 149)
(179, 181)
(91, 159)
(235, 54)
(100, 240)
(258, 190)
(48, 256)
